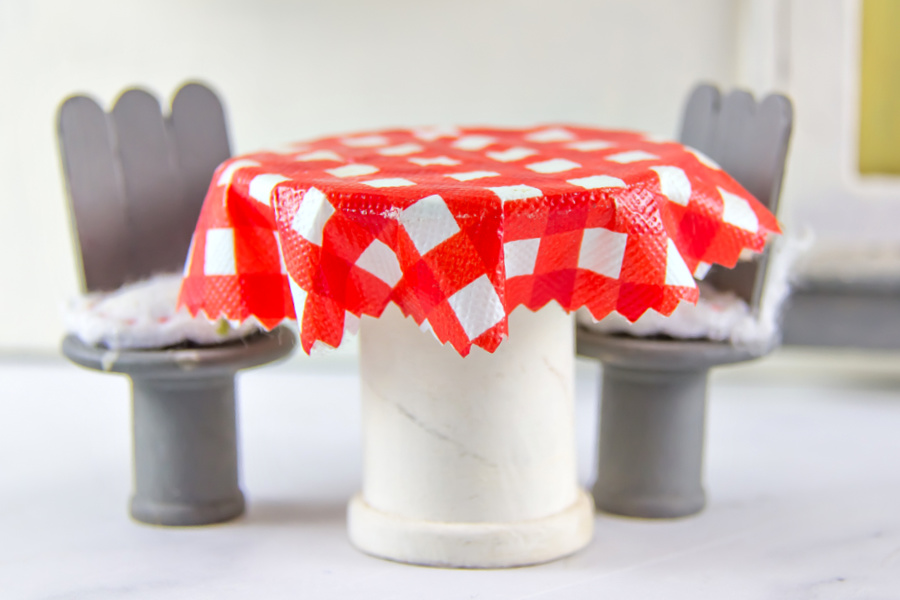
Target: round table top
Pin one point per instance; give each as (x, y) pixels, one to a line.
(458, 227)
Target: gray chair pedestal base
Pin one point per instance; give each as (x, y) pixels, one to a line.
(651, 442)
(185, 451)
(652, 421)
(185, 433)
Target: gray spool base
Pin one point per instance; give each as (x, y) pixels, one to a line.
(185, 433)
(652, 417)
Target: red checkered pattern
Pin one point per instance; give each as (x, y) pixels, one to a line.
(459, 227)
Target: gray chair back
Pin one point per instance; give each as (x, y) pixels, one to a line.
(749, 140)
(136, 179)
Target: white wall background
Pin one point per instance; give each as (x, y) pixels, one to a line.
(294, 69)
(855, 219)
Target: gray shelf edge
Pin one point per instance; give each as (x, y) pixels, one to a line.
(863, 313)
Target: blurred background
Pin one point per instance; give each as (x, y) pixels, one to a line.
(289, 70)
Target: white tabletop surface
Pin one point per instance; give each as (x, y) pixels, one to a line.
(802, 474)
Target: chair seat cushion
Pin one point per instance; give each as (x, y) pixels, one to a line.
(143, 315)
(716, 316)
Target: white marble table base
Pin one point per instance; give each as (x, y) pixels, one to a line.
(803, 475)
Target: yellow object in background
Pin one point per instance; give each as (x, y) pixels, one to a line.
(879, 128)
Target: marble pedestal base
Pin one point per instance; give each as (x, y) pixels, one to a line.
(469, 462)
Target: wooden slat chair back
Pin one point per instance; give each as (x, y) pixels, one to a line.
(136, 179)
(749, 140)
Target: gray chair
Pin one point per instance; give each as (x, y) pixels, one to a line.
(136, 181)
(653, 399)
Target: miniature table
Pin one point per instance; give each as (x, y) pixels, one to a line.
(470, 233)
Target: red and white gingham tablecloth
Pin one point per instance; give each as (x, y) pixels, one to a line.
(458, 227)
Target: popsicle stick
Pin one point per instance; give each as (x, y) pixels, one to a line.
(198, 129)
(735, 143)
(700, 118)
(774, 121)
(153, 185)
(96, 192)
